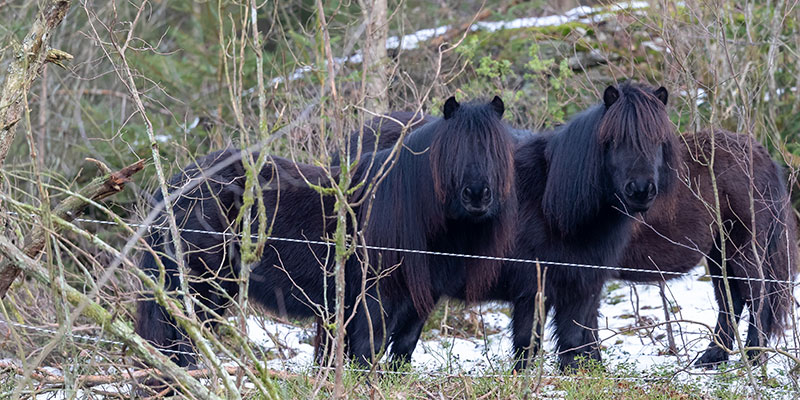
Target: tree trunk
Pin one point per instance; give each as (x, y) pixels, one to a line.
(25, 68)
(374, 53)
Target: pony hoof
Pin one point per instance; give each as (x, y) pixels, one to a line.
(582, 363)
(712, 358)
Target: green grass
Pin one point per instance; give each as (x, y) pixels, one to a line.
(592, 382)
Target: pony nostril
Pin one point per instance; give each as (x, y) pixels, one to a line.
(467, 194)
(630, 189)
(486, 195)
(651, 190)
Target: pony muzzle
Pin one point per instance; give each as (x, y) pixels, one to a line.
(476, 199)
(639, 194)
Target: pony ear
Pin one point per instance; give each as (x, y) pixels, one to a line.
(662, 94)
(610, 96)
(450, 107)
(497, 105)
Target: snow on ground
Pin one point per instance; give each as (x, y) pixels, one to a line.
(644, 351)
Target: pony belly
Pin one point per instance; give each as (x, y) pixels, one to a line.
(653, 267)
(672, 246)
(292, 287)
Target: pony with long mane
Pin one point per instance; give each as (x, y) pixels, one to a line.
(465, 204)
(206, 213)
(450, 190)
(757, 246)
(576, 186)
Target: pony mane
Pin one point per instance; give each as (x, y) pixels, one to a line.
(402, 217)
(576, 187)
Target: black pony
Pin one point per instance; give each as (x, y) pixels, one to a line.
(212, 194)
(450, 190)
(576, 187)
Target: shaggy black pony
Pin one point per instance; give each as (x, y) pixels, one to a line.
(450, 190)
(577, 186)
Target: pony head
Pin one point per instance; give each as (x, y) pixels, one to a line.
(472, 160)
(622, 153)
(639, 144)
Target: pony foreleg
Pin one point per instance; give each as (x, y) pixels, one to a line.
(525, 344)
(575, 322)
(405, 337)
(758, 330)
(723, 331)
(360, 348)
(154, 324)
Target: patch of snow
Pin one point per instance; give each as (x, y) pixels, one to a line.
(658, 45)
(192, 125)
(262, 331)
(700, 96)
(412, 40)
(624, 306)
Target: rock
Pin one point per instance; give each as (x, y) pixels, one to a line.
(584, 60)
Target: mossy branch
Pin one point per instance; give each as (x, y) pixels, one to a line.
(26, 67)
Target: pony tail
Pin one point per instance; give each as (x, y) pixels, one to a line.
(575, 160)
(783, 251)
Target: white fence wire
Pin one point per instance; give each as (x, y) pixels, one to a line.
(668, 274)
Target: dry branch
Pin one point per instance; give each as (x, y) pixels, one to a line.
(26, 67)
(46, 377)
(462, 29)
(459, 30)
(68, 210)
